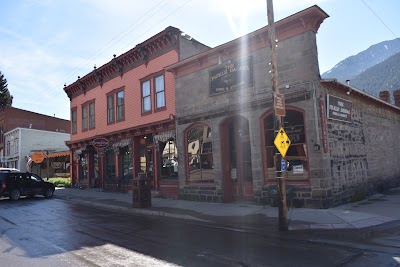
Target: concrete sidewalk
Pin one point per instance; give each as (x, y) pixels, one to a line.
(377, 211)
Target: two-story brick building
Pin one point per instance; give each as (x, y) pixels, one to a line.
(340, 136)
(123, 116)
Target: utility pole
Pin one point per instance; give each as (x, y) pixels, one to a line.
(283, 226)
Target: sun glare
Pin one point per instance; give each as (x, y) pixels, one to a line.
(237, 13)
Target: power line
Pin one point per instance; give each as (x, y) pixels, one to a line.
(53, 93)
(89, 60)
(376, 15)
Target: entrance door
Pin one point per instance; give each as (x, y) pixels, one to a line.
(236, 160)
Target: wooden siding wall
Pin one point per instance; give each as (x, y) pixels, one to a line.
(131, 83)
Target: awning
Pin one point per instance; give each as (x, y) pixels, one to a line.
(122, 143)
(165, 136)
(59, 154)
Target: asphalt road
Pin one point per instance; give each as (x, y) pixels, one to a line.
(54, 232)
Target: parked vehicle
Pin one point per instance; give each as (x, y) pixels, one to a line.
(8, 169)
(16, 184)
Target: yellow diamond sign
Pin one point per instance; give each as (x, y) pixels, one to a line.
(282, 142)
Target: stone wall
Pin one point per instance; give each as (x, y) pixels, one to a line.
(298, 71)
(363, 154)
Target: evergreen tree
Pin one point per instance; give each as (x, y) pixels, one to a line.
(5, 96)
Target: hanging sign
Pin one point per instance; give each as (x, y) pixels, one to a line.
(100, 142)
(38, 157)
(279, 104)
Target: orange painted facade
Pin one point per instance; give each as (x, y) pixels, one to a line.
(130, 82)
(128, 104)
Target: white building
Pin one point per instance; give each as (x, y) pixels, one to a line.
(23, 142)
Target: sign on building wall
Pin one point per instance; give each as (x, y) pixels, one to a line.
(231, 76)
(338, 108)
(38, 157)
(324, 127)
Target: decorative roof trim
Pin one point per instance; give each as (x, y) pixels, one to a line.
(307, 19)
(139, 54)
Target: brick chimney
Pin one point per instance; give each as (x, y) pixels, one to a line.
(385, 96)
(396, 96)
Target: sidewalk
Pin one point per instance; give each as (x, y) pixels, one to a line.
(378, 211)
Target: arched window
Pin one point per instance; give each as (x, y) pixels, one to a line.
(199, 154)
(297, 168)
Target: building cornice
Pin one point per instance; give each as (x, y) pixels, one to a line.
(309, 19)
(346, 88)
(138, 55)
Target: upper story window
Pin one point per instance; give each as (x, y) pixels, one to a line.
(91, 116)
(88, 115)
(120, 106)
(8, 148)
(73, 120)
(146, 97)
(115, 106)
(110, 109)
(159, 91)
(16, 146)
(84, 118)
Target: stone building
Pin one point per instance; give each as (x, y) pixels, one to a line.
(123, 116)
(341, 138)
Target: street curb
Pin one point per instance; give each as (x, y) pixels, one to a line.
(132, 210)
(295, 230)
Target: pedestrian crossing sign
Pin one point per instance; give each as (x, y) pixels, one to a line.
(282, 142)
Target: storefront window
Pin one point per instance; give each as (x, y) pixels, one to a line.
(296, 156)
(84, 166)
(200, 154)
(110, 164)
(169, 159)
(126, 161)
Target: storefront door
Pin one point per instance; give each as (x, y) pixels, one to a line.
(236, 160)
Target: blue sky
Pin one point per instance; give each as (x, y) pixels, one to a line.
(46, 43)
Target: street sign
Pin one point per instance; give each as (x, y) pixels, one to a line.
(282, 142)
(279, 104)
(283, 165)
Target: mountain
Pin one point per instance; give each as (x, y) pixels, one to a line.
(380, 77)
(352, 66)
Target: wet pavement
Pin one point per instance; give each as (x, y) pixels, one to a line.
(56, 232)
(378, 212)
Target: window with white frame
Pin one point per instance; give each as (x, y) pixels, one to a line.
(84, 118)
(73, 120)
(146, 97)
(91, 116)
(110, 109)
(8, 148)
(160, 92)
(16, 145)
(120, 106)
